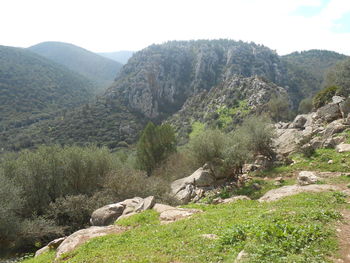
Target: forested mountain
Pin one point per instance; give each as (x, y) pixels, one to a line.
(307, 70)
(119, 56)
(102, 71)
(33, 87)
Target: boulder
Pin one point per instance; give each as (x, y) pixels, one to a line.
(184, 189)
(175, 214)
(107, 214)
(329, 112)
(306, 178)
(287, 140)
(279, 193)
(234, 199)
(344, 107)
(337, 99)
(54, 244)
(298, 122)
(80, 237)
(241, 257)
(343, 147)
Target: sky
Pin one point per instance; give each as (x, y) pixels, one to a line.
(112, 25)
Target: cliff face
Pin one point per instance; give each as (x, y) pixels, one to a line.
(157, 80)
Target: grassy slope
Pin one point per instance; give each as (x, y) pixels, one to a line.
(299, 228)
(295, 229)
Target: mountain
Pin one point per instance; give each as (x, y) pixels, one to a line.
(307, 70)
(158, 80)
(102, 71)
(119, 56)
(33, 87)
(178, 81)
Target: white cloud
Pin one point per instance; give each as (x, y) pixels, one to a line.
(108, 25)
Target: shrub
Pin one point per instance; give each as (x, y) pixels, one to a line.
(305, 106)
(154, 146)
(255, 134)
(208, 146)
(278, 108)
(324, 96)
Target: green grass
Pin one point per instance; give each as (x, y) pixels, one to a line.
(317, 162)
(296, 229)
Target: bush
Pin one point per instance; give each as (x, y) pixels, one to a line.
(278, 108)
(208, 146)
(155, 145)
(255, 134)
(324, 96)
(305, 106)
(72, 211)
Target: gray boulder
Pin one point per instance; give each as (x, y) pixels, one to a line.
(306, 178)
(107, 214)
(344, 107)
(329, 112)
(298, 122)
(184, 189)
(343, 147)
(80, 237)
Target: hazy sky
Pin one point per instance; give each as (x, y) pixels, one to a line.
(111, 25)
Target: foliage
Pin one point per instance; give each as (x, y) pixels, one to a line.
(256, 133)
(154, 146)
(196, 129)
(305, 106)
(324, 96)
(278, 108)
(339, 76)
(226, 115)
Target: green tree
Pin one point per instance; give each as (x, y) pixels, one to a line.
(154, 146)
(278, 108)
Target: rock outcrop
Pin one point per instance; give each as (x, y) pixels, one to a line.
(279, 193)
(169, 214)
(307, 177)
(81, 236)
(320, 129)
(185, 189)
(108, 214)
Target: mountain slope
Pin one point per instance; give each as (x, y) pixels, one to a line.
(33, 87)
(119, 56)
(306, 70)
(99, 69)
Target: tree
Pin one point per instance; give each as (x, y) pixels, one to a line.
(154, 146)
(278, 108)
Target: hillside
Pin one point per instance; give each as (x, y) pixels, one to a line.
(33, 87)
(307, 70)
(119, 56)
(102, 71)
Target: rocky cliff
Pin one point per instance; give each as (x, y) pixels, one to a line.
(157, 80)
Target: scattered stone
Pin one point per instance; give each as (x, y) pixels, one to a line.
(80, 237)
(256, 186)
(343, 147)
(279, 193)
(330, 162)
(234, 199)
(210, 236)
(277, 183)
(175, 214)
(241, 256)
(54, 244)
(306, 178)
(279, 179)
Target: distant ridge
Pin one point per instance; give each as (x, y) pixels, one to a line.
(119, 56)
(101, 70)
